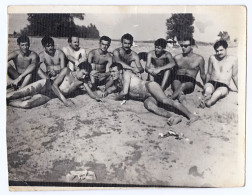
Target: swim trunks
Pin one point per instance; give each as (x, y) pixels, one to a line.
(184, 79)
(217, 84)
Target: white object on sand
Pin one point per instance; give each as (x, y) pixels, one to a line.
(123, 102)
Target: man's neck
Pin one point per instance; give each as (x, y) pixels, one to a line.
(101, 52)
(25, 54)
(189, 54)
(127, 51)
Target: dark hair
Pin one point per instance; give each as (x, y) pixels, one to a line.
(128, 37)
(86, 66)
(191, 39)
(221, 43)
(161, 42)
(47, 40)
(105, 38)
(118, 65)
(23, 39)
(69, 40)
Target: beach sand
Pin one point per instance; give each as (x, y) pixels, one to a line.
(122, 144)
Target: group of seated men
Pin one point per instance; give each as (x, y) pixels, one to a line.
(119, 72)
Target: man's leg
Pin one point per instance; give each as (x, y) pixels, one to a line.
(176, 85)
(159, 95)
(219, 93)
(29, 90)
(208, 90)
(32, 102)
(165, 79)
(12, 75)
(152, 105)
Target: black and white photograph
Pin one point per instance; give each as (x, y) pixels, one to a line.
(126, 96)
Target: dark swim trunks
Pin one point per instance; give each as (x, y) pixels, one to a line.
(217, 84)
(185, 79)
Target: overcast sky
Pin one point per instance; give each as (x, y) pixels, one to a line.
(145, 26)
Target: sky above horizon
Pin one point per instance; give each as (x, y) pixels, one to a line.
(144, 26)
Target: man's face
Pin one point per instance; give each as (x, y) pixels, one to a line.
(158, 50)
(81, 73)
(186, 46)
(49, 48)
(221, 52)
(126, 44)
(114, 73)
(24, 47)
(75, 43)
(104, 45)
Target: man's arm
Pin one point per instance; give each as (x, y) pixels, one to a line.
(165, 79)
(210, 69)
(90, 92)
(126, 84)
(235, 73)
(170, 65)
(148, 63)
(56, 84)
(116, 58)
(202, 70)
(138, 64)
(62, 58)
(69, 57)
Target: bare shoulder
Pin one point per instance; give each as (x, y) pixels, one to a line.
(60, 52)
(15, 52)
(198, 57)
(151, 53)
(33, 54)
(178, 56)
(117, 50)
(93, 51)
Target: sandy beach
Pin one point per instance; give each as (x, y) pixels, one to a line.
(106, 142)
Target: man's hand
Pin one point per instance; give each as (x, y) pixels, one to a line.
(155, 71)
(98, 99)
(104, 94)
(135, 70)
(51, 73)
(69, 103)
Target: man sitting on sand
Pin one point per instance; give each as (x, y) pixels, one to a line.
(221, 69)
(53, 59)
(126, 57)
(188, 65)
(42, 91)
(74, 53)
(25, 62)
(159, 63)
(100, 59)
(150, 92)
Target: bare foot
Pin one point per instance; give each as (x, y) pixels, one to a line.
(182, 98)
(193, 119)
(173, 120)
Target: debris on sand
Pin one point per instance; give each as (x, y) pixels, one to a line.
(178, 136)
(80, 176)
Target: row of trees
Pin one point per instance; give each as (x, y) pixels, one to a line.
(58, 25)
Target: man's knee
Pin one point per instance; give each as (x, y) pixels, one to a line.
(223, 91)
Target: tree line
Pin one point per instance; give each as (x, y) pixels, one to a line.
(57, 25)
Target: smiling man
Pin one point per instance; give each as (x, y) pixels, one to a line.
(221, 69)
(25, 65)
(42, 91)
(53, 59)
(159, 63)
(100, 59)
(74, 53)
(188, 64)
(126, 57)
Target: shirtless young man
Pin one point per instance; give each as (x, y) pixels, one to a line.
(100, 59)
(53, 59)
(159, 63)
(42, 91)
(150, 92)
(74, 53)
(188, 65)
(221, 68)
(25, 62)
(126, 57)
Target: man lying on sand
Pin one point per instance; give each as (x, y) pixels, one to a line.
(53, 59)
(150, 92)
(221, 69)
(188, 65)
(100, 59)
(74, 53)
(159, 63)
(25, 62)
(126, 57)
(42, 91)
